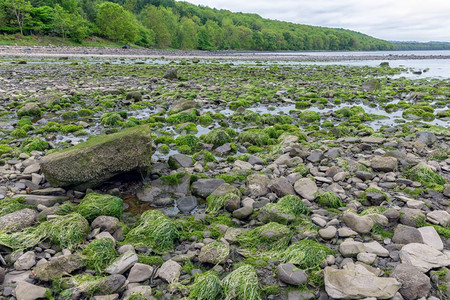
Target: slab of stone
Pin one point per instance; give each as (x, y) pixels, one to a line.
(123, 263)
(28, 291)
(423, 256)
(431, 238)
(376, 248)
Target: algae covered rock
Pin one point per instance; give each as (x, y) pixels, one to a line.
(30, 109)
(58, 267)
(100, 158)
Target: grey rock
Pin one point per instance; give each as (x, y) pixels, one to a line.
(350, 248)
(423, 257)
(178, 160)
(123, 263)
(104, 286)
(58, 267)
(243, 212)
(43, 200)
(140, 272)
(281, 187)
(223, 150)
(409, 216)
(415, 284)
(187, 204)
(363, 175)
(328, 233)
(30, 109)
(360, 224)
(406, 235)
(25, 261)
(440, 217)
(144, 290)
(257, 185)
(431, 237)
(169, 271)
(290, 274)
(105, 223)
(306, 188)
(204, 187)
(315, 156)
(171, 74)
(28, 291)
(426, 138)
(18, 220)
(384, 163)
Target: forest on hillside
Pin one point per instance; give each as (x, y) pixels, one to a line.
(172, 24)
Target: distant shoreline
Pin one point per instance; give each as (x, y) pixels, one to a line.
(109, 52)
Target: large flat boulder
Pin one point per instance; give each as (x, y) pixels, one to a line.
(100, 158)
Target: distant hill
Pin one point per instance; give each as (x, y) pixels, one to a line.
(421, 46)
(172, 24)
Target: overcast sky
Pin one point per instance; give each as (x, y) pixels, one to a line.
(405, 20)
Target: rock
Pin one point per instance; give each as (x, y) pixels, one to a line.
(43, 200)
(123, 263)
(18, 220)
(426, 138)
(290, 274)
(384, 163)
(187, 204)
(171, 74)
(58, 267)
(232, 196)
(350, 248)
(140, 272)
(224, 149)
(409, 216)
(104, 286)
(257, 185)
(350, 284)
(281, 187)
(415, 284)
(2, 275)
(306, 188)
(169, 271)
(360, 224)
(345, 232)
(315, 156)
(214, 253)
(34, 168)
(375, 248)
(439, 217)
(135, 96)
(25, 261)
(144, 290)
(367, 258)
(363, 175)
(90, 163)
(243, 212)
(105, 223)
(30, 109)
(375, 198)
(28, 291)
(107, 297)
(406, 235)
(328, 233)
(177, 161)
(423, 257)
(242, 165)
(431, 237)
(204, 187)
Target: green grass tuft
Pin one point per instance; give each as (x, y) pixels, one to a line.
(329, 199)
(425, 176)
(100, 254)
(207, 286)
(242, 284)
(153, 230)
(8, 205)
(94, 205)
(307, 254)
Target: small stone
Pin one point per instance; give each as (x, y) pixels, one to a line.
(328, 233)
(306, 188)
(140, 272)
(290, 274)
(360, 224)
(375, 248)
(169, 271)
(123, 263)
(367, 258)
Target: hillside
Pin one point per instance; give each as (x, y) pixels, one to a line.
(171, 24)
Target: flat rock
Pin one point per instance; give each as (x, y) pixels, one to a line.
(328, 233)
(123, 263)
(349, 284)
(257, 185)
(26, 261)
(58, 267)
(431, 237)
(178, 160)
(28, 291)
(205, 187)
(187, 204)
(423, 257)
(350, 248)
(384, 163)
(439, 217)
(406, 235)
(376, 248)
(43, 200)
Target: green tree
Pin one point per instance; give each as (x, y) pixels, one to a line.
(20, 9)
(187, 34)
(116, 23)
(62, 21)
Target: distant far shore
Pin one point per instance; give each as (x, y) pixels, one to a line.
(110, 52)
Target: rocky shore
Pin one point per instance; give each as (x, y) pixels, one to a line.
(196, 180)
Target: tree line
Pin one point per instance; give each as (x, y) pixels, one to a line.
(172, 24)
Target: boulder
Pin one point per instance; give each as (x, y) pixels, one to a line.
(350, 284)
(169, 271)
(58, 267)
(384, 163)
(306, 188)
(360, 224)
(100, 158)
(204, 187)
(423, 257)
(415, 284)
(18, 220)
(281, 187)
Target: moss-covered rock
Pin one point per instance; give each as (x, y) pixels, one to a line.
(90, 163)
(30, 109)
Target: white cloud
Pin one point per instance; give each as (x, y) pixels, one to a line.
(386, 19)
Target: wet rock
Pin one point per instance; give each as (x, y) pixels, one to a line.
(281, 187)
(58, 267)
(204, 187)
(140, 272)
(91, 163)
(169, 271)
(350, 284)
(233, 200)
(177, 161)
(423, 257)
(360, 224)
(123, 263)
(406, 235)
(28, 291)
(306, 188)
(415, 284)
(18, 220)
(187, 204)
(384, 163)
(290, 274)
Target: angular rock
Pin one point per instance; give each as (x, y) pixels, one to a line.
(306, 188)
(350, 248)
(407, 235)
(178, 160)
(384, 163)
(28, 291)
(415, 284)
(290, 274)
(423, 257)
(440, 217)
(25, 261)
(425, 137)
(58, 267)
(18, 220)
(90, 163)
(123, 263)
(431, 237)
(375, 248)
(140, 272)
(257, 185)
(349, 284)
(187, 204)
(281, 187)
(169, 271)
(204, 187)
(360, 224)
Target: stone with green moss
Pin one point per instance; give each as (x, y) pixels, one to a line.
(100, 158)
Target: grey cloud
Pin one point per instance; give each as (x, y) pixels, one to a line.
(386, 19)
